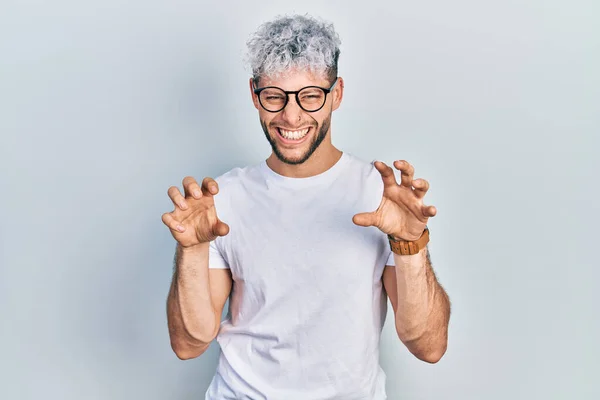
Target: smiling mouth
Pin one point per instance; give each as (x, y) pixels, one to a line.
(293, 136)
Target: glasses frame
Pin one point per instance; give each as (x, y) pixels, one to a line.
(295, 93)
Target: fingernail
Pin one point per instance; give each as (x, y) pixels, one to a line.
(180, 228)
(196, 193)
(213, 189)
(183, 205)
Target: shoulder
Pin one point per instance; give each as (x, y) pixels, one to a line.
(365, 171)
(366, 179)
(235, 183)
(236, 177)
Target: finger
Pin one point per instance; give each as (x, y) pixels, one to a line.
(421, 187)
(177, 198)
(209, 185)
(387, 173)
(407, 171)
(191, 187)
(364, 219)
(428, 211)
(220, 228)
(172, 223)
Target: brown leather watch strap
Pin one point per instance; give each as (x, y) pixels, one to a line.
(406, 248)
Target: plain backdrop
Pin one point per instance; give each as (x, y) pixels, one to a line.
(105, 104)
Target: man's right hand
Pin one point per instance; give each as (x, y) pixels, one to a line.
(194, 220)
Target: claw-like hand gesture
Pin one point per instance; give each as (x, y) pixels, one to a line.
(194, 219)
(401, 213)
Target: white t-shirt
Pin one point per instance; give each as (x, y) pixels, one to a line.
(307, 304)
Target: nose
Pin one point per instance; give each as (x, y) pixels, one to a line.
(292, 111)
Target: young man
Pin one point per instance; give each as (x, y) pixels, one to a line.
(306, 245)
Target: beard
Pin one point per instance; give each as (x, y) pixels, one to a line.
(316, 142)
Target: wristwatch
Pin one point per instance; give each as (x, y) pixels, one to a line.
(406, 248)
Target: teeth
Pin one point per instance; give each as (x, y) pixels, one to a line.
(294, 135)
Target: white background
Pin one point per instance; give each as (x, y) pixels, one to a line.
(105, 104)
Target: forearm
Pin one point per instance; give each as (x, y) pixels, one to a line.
(191, 315)
(423, 307)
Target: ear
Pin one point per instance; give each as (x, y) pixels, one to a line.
(338, 93)
(254, 97)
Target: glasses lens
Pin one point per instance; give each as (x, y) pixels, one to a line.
(312, 98)
(272, 99)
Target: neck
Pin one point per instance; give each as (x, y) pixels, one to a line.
(320, 161)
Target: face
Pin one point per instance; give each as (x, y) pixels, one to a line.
(295, 134)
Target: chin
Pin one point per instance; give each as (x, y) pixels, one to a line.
(292, 157)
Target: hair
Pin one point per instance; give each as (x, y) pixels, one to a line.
(297, 41)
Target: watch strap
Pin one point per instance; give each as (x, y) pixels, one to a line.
(405, 247)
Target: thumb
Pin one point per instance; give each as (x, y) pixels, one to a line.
(220, 228)
(364, 219)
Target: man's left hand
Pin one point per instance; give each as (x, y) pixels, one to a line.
(401, 212)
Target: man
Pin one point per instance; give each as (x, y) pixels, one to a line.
(300, 245)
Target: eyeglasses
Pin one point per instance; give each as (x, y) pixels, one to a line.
(309, 98)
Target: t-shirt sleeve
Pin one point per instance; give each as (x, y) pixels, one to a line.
(215, 259)
(390, 260)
